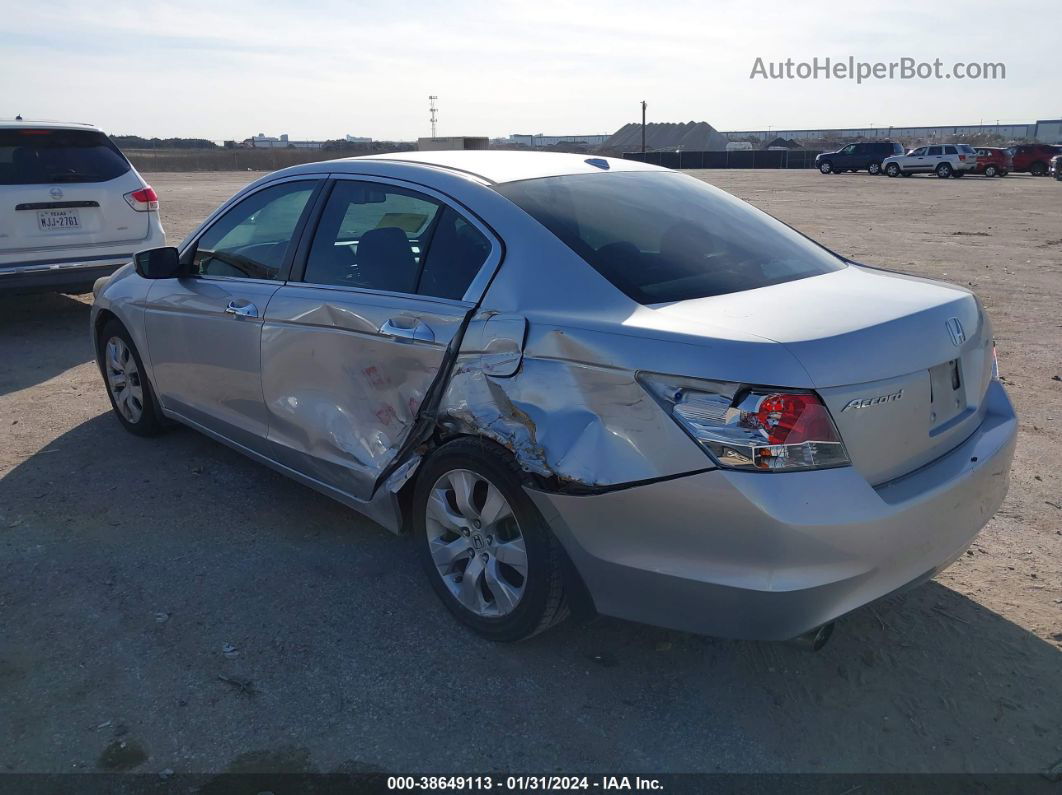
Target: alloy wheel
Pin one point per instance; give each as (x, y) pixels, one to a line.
(123, 380)
(476, 543)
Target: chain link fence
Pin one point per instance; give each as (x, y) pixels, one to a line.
(742, 158)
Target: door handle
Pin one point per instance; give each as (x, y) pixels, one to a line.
(241, 310)
(418, 331)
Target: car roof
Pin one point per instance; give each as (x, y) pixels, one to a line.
(496, 166)
(17, 124)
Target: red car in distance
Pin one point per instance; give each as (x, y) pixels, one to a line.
(1033, 158)
(993, 162)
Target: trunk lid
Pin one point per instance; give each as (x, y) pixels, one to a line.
(48, 217)
(902, 363)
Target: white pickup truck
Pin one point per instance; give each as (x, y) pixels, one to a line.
(946, 160)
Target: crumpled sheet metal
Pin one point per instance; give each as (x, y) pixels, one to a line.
(586, 426)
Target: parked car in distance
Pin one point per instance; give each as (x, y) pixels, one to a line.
(72, 207)
(576, 381)
(1055, 167)
(865, 156)
(945, 160)
(993, 162)
(1033, 158)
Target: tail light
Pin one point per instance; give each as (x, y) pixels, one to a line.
(144, 200)
(752, 428)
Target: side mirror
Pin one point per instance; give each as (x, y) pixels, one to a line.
(158, 263)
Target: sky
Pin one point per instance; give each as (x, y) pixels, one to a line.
(322, 69)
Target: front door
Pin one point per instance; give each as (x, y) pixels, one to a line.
(204, 330)
(349, 354)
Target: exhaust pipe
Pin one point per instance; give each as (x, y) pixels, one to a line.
(814, 639)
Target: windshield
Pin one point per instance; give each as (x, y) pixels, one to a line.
(662, 236)
(44, 156)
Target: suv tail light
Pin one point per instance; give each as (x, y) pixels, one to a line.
(752, 428)
(144, 200)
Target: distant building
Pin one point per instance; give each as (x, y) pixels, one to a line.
(539, 139)
(357, 139)
(453, 142)
(261, 141)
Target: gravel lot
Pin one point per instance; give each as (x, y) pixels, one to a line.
(212, 615)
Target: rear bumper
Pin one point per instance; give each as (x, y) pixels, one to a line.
(61, 276)
(768, 557)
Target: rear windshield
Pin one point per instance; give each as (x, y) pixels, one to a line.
(35, 157)
(662, 236)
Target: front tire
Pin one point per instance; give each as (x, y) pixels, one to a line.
(944, 170)
(825, 167)
(1038, 169)
(128, 387)
(991, 171)
(488, 552)
(892, 170)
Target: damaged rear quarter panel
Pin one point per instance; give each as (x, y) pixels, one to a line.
(585, 425)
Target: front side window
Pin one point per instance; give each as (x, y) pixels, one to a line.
(375, 236)
(663, 236)
(252, 239)
(48, 156)
(850, 149)
(919, 152)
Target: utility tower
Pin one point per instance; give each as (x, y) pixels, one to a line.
(434, 110)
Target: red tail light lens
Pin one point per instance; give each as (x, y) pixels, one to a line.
(143, 200)
(757, 429)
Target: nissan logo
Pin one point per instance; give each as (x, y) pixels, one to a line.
(958, 336)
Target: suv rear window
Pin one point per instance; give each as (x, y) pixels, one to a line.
(46, 156)
(660, 236)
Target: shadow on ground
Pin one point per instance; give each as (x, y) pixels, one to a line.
(174, 596)
(41, 336)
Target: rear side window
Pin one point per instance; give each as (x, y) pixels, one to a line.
(371, 236)
(661, 236)
(376, 236)
(456, 253)
(950, 150)
(48, 156)
(897, 149)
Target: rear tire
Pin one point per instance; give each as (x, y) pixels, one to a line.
(957, 174)
(1038, 169)
(128, 386)
(874, 168)
(471, 514)
(944, 170)
(905, 173)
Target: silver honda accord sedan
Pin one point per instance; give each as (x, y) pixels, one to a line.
(576, 382)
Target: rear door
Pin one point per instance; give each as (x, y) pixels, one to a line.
(204, 330)
(350, 351)
(64, 188)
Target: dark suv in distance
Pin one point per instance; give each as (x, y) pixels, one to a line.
(1034, 158)
(856, 157)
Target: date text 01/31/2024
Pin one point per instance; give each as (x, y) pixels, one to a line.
(524, 783)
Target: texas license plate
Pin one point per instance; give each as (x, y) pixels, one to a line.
(58, 220)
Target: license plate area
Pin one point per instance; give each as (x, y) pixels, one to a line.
(65, 220)
(947, 395)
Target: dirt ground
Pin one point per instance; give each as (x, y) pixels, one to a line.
(211, 615)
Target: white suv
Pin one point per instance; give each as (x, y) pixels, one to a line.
(946, 160)
(72, 207)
